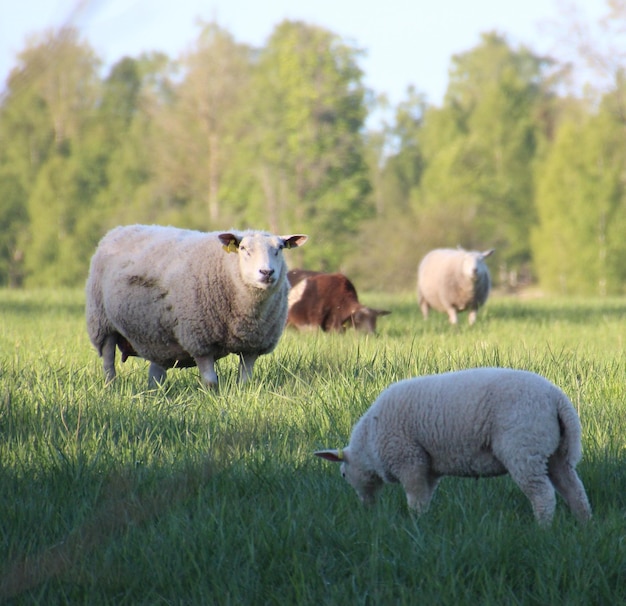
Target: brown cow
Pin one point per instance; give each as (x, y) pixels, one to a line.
(328, 301)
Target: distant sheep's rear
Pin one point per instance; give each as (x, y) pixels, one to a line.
(453, 280)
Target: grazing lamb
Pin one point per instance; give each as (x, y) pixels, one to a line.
(452, 280)
(330, 302)
(177, 297)
(477, 422)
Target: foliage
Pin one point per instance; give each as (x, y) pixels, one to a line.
(114, 494)
(581, 251)
(278, 138)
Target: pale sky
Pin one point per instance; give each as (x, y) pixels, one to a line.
(407, 42)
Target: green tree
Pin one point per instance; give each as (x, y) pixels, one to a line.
(202, 129)
(51, 96)
(578, 243)
(395, 164)
(309, 104)
(477, 188)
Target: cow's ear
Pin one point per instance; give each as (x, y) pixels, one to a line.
(230, 242)
(336, 456)
(294, 241)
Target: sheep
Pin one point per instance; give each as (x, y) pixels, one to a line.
(452, 280)
(470, 423)
(328, 301)
(177, 298)
(297, 275)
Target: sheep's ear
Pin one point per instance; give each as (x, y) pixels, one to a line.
(488, 253)
(336, 456)
(294, 241)
(380, 312)
(230, 242)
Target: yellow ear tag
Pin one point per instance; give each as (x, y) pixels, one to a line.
(340, 454)
(287, 245)
(231, 247)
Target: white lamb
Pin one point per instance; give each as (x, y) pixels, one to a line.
(452, 280)
(178, 297)
(476, 422)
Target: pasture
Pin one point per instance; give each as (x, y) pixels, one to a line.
(120, 495)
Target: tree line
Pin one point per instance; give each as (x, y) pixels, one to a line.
(277, 138)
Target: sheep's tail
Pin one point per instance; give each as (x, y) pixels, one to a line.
(570, 447)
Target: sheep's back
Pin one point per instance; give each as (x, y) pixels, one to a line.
(458, 417)
(440, 281)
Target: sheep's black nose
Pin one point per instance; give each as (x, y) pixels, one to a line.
(266, 275)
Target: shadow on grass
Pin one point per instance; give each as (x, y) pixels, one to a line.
(126, 505)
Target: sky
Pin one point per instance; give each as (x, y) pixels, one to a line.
(406, 42)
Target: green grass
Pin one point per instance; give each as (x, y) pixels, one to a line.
(120, 495)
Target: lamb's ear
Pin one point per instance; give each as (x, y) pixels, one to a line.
(488, 253)
(230, 242)
(336, 456)
(294, 241)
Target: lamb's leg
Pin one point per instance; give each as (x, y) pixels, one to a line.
(246, 364)
(565, 479)
(472, 316)
(419, 485)
(206, 365)
(108, 357)
(540, 492)
(156, 375)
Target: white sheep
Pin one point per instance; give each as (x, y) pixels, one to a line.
(178, 297)
(452, 280)
(471, 423)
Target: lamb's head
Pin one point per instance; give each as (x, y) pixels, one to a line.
(365, 482)
(473, 265)
(261, 261)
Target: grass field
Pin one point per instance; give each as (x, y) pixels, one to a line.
(120, 495)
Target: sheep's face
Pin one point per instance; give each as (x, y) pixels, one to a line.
(260, 255)
(472, 265)
(365, 482)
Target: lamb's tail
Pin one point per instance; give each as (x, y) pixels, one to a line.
(570, 447)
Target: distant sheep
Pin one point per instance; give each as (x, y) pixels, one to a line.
(470, 423)
(177, 297)
(297, 275)
(453, 280)
(329, 302)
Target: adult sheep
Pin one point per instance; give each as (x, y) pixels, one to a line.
(452, 280)
(329, 302)
(476, 422)
(179, 297)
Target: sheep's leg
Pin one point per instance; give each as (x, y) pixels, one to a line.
(452, 315)
(424, 307)
(156, 375)
(419, 486)
(246, 364)
(206, 365)
(565, 479)
(472, 316)
(108, 357)
(540, 492)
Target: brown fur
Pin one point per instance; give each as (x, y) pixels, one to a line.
(330, 302)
